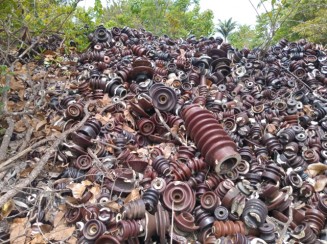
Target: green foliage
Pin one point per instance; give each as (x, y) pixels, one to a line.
(244, 37)
(293, 20)
(176, 18)
(226, 27)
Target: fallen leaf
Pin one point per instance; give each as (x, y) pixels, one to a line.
(6, 209)
(103, 119)
(134, 195)
(129, 118)
(19, 126)
(316, 168)
(96, 191)
(59, 216)
(38, 239)
(17, 230)
(321, 182)
(40, 125)
(128, 129)
(60, 233)
(78, 189)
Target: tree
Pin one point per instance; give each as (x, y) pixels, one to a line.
(226, 27)
(176, 18)
(244, 36)
(293, 20)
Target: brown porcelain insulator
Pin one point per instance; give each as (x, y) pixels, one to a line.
(146, 126)
(107, 239)
(75, 111)
(305, 234)
(180, 171)
(231, 197)
(84, 87)
(161, 165)
(93, 229)
(223, 188)
(163, 97)
(254, 213)
(185, 153)
(179, 196)
(315, 219)
(294, 180)
(134, 209)
(307, 190)
(271, 143)
(83, 162)
(151, 199)
(129, 228)
(275, 198)
(174, 121)
(98, 94)
(322, 205)
(213, 180)
(242, 167)
(226, 228)
(310, 156)
(73, 215)
(213, 142)
(286, 136)
(272, 173)
(203, 218)
(209, 201)
(267, 233)
(221, 213)
(185, 222)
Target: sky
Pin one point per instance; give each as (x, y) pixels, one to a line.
(240, 10)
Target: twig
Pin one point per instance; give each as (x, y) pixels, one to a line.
(6, 138)
(168, 128)
(43, 161)
(25, 151)
(27, 139)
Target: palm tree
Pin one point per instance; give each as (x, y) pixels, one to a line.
(226, 27)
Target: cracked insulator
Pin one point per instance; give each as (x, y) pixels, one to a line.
(179, 196)
(146, 126)
(214, 143)
(254, 213)
(224, 187)
(226, 228)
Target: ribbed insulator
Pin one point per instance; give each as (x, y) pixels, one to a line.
(225, 228)
(134, 209)
(223, 188)
(129, 228)
(214, 143)
(151, 199)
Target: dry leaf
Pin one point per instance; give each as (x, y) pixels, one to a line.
(96, 191)
(40, 125)
(315, 169)
(321, 182)
(6, 209)
(134, 195)
(128, 129)
(17, 231)
(129, 118)
(103, 119)
(38, 239)
(58, 217)
(106, 100)
(60, 233)
(78, 189)
(20, 126)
